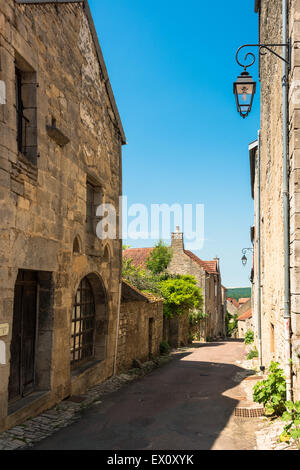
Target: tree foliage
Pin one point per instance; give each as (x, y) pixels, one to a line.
(231, 324)
(160, 258)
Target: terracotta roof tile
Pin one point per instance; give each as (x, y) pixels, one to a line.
(209, 266)
(233, 302)
(244, 300)
(138, 255)
(245, 315)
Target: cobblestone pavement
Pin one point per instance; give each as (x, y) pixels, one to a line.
(267, 437)
(67, 412)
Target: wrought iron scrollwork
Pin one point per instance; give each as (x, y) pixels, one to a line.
(263, 49)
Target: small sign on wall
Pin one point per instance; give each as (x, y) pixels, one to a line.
(4, 329)
(2, 92)
(2, 353)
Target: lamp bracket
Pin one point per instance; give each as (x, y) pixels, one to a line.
(263, 49)
(244, 250)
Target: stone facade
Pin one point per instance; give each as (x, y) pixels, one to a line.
(176, 330)
(208, 278)
(140, 328)
(245, 321)
(271, 178)
(60, 156)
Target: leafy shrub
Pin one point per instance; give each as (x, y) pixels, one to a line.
(253, 353)
(196, 316)
(292, 429)
(272, 391)
(181, 295)
(249, 337)
(231, 324)
(164, 347)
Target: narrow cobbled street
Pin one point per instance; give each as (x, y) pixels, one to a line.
(187, 404)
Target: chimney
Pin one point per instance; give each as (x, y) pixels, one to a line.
(177, 240)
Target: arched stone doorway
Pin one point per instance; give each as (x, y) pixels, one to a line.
(89, 323)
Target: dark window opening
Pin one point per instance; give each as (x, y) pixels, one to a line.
(93, 200)
(26, 111)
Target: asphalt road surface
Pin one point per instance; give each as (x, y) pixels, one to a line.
(187, 404)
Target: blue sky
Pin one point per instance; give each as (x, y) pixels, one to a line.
(172, 66)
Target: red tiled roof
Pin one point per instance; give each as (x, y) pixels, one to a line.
(209, 266)
(233, 301)
(244, 300)
(245, 315)
(138, 255)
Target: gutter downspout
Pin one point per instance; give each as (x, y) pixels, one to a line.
(258, 218)
(285, 193)
(118, 326)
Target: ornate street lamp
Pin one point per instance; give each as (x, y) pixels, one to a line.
(244, 90)
(244, 258)
(245, 87)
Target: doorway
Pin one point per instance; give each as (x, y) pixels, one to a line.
(24, 331)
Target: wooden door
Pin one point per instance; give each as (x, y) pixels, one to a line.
(22, 365)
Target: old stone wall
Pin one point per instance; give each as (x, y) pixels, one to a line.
(271, 185)
(140, 333)
(43, 194)
(176, 330)
(272, 242)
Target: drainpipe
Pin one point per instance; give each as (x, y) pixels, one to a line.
(118, 326)
(285, 122)
(258, 219)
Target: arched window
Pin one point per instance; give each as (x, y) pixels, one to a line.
(106, 257)
(83, 324)
(77, 246)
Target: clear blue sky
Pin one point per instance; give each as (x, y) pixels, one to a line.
(172, 66)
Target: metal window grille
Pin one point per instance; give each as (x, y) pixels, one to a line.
(83, 324)
(22, 121)
(90, 207)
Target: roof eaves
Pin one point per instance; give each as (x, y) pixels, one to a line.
(98, 51)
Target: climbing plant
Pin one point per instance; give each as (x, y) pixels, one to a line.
(181, 295)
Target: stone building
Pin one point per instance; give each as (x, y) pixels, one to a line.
(207, 274)
(245, 323)
(244, 318)
(268, 190)
(232, 306)
(140, 327)
(208, 278)
(60, 157)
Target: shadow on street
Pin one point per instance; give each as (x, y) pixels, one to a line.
(179, 406)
